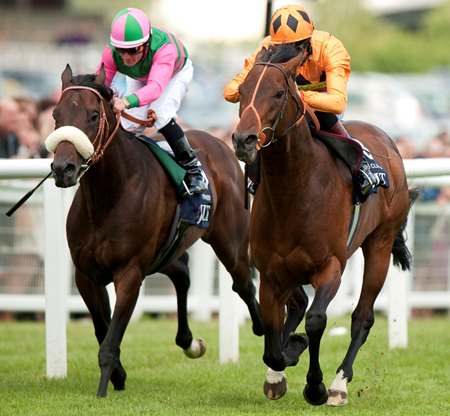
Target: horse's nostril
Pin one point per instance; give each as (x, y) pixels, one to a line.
(70, 169)
(250, 139)
(66, 170)
(247, 140)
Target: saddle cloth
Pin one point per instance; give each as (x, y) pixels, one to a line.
(195, 209)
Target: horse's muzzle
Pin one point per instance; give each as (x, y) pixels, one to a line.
(245, 147)
(65, 175)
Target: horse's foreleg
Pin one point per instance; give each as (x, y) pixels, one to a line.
(272, 312)
(326, 284)
(127, 292)
(178, 273)
(97, 301)
(375, 271)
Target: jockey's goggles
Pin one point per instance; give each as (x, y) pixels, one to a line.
(130, 51)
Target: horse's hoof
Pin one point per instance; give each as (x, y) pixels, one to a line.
(118, 378)
(197, 348)
(317, 397)
(102, 392)
(337, 398)
(275, 385)
(258, 330)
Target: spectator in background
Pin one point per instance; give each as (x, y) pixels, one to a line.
(435, 147)
(46, 122)
(19, 134)
(72, 33)
(21, 234)
(406, 147)
(432, 230)
(444, 137)
(9, 113)
(30, 142)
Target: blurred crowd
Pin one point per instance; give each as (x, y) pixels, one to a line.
(431, 229)
(437, 146)
(24, 124)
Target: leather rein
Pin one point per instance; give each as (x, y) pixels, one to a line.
(265, 140)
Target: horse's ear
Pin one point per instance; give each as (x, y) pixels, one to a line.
(100, 79)
(66, 76)
(294, 63)
(259, 57)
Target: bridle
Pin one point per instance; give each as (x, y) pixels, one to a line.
(102, 139)
(265, 140)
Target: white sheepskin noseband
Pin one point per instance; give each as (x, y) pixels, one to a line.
(73, 135)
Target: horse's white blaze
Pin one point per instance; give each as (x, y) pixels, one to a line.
(339, 383)
(274, 377)
(73, 135)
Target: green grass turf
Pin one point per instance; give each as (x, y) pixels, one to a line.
(162, 381)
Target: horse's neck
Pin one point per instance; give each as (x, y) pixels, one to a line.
(291, 158)
(111, 173)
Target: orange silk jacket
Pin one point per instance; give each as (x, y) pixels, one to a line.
(329, 61)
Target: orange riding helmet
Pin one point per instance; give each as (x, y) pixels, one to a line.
(290, 24)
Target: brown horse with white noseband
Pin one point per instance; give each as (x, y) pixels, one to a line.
(123, 213)
(300, 222)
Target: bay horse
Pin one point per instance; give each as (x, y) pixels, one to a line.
(122, 215)
(300, 221)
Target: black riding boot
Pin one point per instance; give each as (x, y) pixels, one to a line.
(195, 180)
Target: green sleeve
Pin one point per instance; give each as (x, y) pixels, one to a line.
(133, 100)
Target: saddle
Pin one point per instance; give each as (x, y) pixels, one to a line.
(343, 147)
(191, 211)
(357, 158)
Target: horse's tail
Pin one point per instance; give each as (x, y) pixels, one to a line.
(400, 251)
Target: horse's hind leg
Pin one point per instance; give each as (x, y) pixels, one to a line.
(97, 301)
(232, 251)
(243, 285)
(178, 273)
(377, 262)
(294, 344)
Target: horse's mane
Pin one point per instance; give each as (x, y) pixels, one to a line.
(88, 80)
(281, 53)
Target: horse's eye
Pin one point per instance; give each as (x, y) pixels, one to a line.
(279, 94)
(93, 118)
